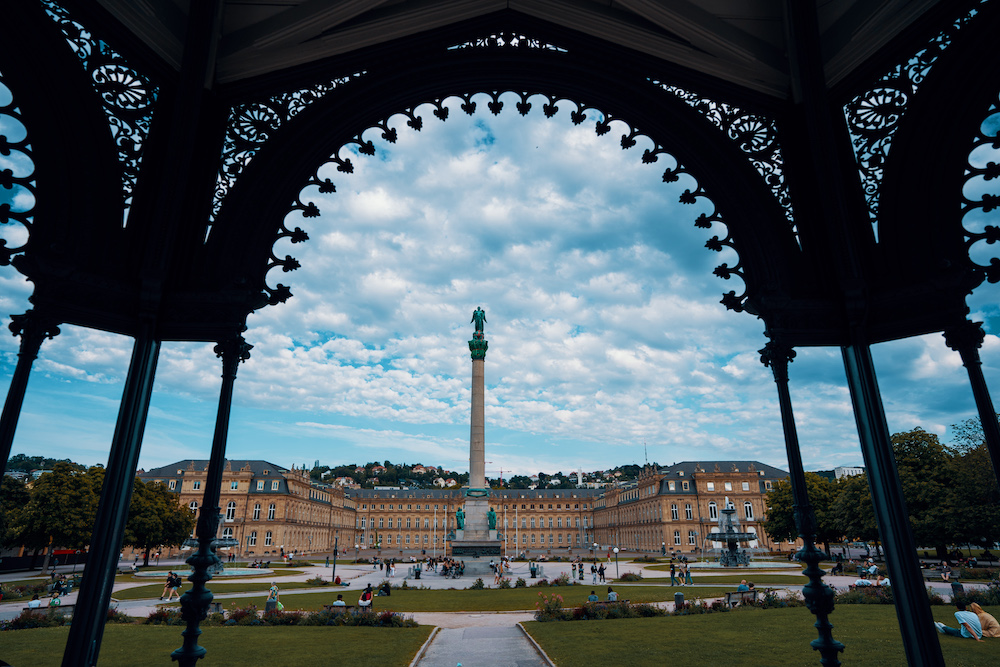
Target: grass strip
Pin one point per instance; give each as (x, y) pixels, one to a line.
(749, 637)
(759, 579)
(514, 599)
(141, 645)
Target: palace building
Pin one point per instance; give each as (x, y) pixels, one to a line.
(270, 510)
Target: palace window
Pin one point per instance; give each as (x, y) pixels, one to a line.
(767, 485)
(274, 484)
(270, 512)
(710, 486)
(524, 523)
(193, 506)
(362, 523)
(559, 522)
(677, 537)
(729, 486)
(427, 522)
(227, 533)
(252, 539)
(748, 510)
(196, 485)
(172, 484)
(687, 511)
(267, 539)
(260, 485)
(230, 511)
(532, 538)
(380, 522)
(234, 486)
(746, 486)
(256, 512)
(673, 513)
(713, 510)
(407, 522)
(692, 537)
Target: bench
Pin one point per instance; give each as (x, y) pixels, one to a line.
(935, 574)
(740, 597)
(60, 610)
(332, 608)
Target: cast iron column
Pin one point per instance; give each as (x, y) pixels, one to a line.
(818, 596)
(195, 602)
(33, 329)
(916, 624)
(84, 642)
(966, 339)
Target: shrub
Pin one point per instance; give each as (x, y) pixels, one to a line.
(631, 576)
(317, 581)
(297, 563)
(115, 616)
(562, 580)
(278, 617)
(243, 616)
(164, 616)
(541, 583)
(520, 583)
(979, 573)
(477, 585)
(10, 593)
(866, 595)
(983, 597)
(505, 583)
(549, 608)
(27, 620)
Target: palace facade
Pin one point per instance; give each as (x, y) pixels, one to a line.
(270, 510)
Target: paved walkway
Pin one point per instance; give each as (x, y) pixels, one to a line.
(505, 646)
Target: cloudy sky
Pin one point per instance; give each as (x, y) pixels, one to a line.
(607, 338)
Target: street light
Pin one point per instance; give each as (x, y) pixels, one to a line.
(616, 563)
(75, 561)
(336, 541)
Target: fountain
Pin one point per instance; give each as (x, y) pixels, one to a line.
(730, 534)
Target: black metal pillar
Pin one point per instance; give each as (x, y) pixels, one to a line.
(966, 339)
(33, 328)
(84, 641)
(819, 597)
(195, 602)
(912, 606)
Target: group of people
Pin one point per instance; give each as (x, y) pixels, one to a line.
(388, 565)
(259, 564)
(596, 572)
(172, 586)
(35, 603)
(680, 575)
(612, 596)
(499, 569)
(451, 568)
(973, 623)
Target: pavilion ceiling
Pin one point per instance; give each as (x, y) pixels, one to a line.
(741, 42)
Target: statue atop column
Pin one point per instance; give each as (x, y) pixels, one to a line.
(460, 519)
(491, 518)
(479, 317)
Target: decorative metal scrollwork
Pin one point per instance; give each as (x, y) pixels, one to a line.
(748, 133)
(507, 40)
(874, 116)
(981, 195)
(17, 178)
(756, 135)
(127, 96)
(252, 124)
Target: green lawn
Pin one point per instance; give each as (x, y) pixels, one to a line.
(751, 637)
(140, 645)
(486, 600)
(153, 590)
(759, 579)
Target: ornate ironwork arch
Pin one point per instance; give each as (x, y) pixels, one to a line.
(244, 231)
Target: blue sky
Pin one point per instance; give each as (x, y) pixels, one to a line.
(605, 328)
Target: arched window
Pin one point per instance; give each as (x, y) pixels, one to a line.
(231, 510)
(713, 510)
(748, 510)
(227, 533)
(256, 512)
(193, 506)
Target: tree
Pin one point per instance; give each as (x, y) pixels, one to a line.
(925, 474)
(852, 510)
(14, 495)
(61, 509)
(779, 521)
(974, 493)
(518, 482)
(155, 518)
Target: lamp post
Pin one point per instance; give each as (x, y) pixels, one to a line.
(75, 561)
(617, 576)
(336, 541)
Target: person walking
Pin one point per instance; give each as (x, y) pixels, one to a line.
(687, 574)
(600, 572)
(673, 574)
(593, 571)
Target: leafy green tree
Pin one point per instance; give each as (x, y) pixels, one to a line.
(155, 518)
(518, 482)
(974, 493)
(779, 521)
(852, 511)
(925, 474)
(14, 495)
(61, 509)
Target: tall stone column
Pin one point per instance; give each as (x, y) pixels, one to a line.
(477, 431)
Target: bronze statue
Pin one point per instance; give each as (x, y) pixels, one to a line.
(479, 317)
(460, 518)
(491, 516)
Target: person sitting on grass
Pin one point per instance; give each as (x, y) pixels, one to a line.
(592, 597)
(612, 595)
(742, 587)
(989, 624)
(968, 624)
